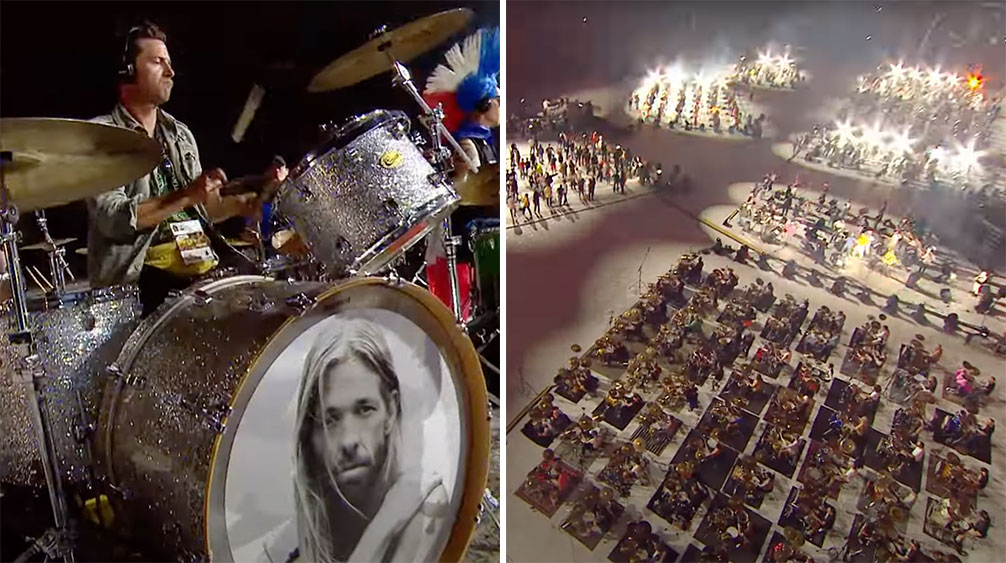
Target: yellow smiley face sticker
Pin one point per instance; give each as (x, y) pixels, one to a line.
(392, 159)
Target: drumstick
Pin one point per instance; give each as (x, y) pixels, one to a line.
(248, 113)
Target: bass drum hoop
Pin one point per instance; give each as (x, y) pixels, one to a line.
(421, 308)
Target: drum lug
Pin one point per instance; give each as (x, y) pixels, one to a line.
(300, 301)
(392, 278)
(88, 321)
(342, 245)
(131, 380)
(391, 207)
(437, 179)
(201, 298)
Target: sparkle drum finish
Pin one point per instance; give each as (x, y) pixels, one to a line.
(77, 336)
(485, 237)
(366, 196)
(193, 373)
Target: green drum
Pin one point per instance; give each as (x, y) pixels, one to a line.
(485, 241)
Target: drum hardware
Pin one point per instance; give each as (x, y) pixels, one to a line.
(55, 541)
(201, 298)
(58, 267)
(489, 505)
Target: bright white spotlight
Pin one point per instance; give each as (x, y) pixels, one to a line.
(967, 157)
(845, 130)
(902, 143)
(675, 74)
(872, 135)
(898, 70)
(765, 58)
(935, 75)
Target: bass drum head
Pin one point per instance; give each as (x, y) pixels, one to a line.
(314, 459)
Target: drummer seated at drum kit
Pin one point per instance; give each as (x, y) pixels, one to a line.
(152, 231)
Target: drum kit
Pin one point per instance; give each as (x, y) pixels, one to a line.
(138, 426)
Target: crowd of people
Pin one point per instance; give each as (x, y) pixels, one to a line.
(910, 126)
(767, 71)
(576, 164)
(700, 103)
(833, 235)
(669, 346)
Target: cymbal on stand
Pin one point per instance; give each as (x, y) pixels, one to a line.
(57, 161)
(402, 44)
(45, 245)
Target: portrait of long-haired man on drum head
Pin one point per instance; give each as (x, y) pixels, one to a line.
(354, 500)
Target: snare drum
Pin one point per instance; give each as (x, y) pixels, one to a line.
(77, 335)
(485, 237)
(366, 196)
(247, 412)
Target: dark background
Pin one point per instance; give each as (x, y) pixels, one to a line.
(59, 59)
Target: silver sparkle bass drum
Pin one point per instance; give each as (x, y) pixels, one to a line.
(366, 196)
(257, 420)
(78, 335)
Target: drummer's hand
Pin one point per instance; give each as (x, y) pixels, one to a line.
(246, 205)
(207, 186)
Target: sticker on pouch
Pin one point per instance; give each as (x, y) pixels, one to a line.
(392, 159)
(193, 244)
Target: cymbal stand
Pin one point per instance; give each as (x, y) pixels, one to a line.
(432, 119)
(57, 261)
(451, 244)
(55, 541)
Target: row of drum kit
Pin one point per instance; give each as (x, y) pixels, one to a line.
(133, 425)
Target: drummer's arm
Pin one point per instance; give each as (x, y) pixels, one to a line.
(121, 217)
(471, 151)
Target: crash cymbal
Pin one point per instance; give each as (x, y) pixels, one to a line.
(45, 245)
(403, 44)
(480, 190)
(81, 251)
(56, 161)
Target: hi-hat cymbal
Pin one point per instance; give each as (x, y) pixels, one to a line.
(56, 161)
(403, 44)
(45, 245)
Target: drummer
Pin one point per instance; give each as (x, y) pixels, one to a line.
(152, 231)
(472, 115)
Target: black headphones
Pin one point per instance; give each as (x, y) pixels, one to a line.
(127, 67)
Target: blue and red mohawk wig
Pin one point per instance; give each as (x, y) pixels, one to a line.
(470, 76)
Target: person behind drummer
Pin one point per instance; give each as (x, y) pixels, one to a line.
(151, 231)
